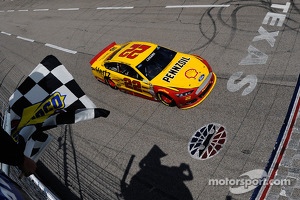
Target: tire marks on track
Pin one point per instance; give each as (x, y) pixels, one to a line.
(98, 8)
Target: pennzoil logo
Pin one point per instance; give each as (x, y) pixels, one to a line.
(39, 112)
(175, 69)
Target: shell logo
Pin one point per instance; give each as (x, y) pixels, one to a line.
(191, 73)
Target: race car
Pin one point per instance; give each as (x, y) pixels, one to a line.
(154, 72)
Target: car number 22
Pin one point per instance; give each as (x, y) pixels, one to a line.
(134, 51)
(133, 84)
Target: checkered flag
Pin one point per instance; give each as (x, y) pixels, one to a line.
(48, 97)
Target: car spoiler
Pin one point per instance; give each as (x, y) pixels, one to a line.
(102, 52)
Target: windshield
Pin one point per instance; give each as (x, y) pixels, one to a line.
(156, 62)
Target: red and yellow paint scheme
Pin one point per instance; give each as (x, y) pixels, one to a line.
(154, 72)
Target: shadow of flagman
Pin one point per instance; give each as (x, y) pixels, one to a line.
(155, 181)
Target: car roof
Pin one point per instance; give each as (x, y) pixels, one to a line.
(133, 53)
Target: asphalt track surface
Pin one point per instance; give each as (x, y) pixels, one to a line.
(142, 147)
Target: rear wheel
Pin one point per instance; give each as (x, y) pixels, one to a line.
(166, 99)
(111, 84)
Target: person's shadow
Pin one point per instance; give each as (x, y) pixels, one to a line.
(155, 181)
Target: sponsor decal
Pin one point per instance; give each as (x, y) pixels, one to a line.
(207, 141)
(175, 69)
(201, 77)
(41, 111)
(103, 73)
(52, 104)
(191, 73)
(149, 57)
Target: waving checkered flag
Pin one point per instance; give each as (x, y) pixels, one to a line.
(48, 97)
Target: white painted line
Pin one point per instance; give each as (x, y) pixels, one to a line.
(10, 10)
(5, 33)
(22, 10)
(68, 9)
(60, 48)
(111, 8)
(2, 11)
(41, 9)
(198, 6)
(26, 39)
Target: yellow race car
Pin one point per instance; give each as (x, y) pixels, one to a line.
(154, 72)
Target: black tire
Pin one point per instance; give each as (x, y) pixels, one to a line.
(166, 99)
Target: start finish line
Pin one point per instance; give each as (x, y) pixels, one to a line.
(290, 126)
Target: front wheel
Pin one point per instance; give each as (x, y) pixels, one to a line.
(166, 99)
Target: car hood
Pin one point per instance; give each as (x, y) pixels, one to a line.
(184, 71)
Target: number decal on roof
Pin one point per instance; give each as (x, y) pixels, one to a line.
(133, 51)
(136, 85)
